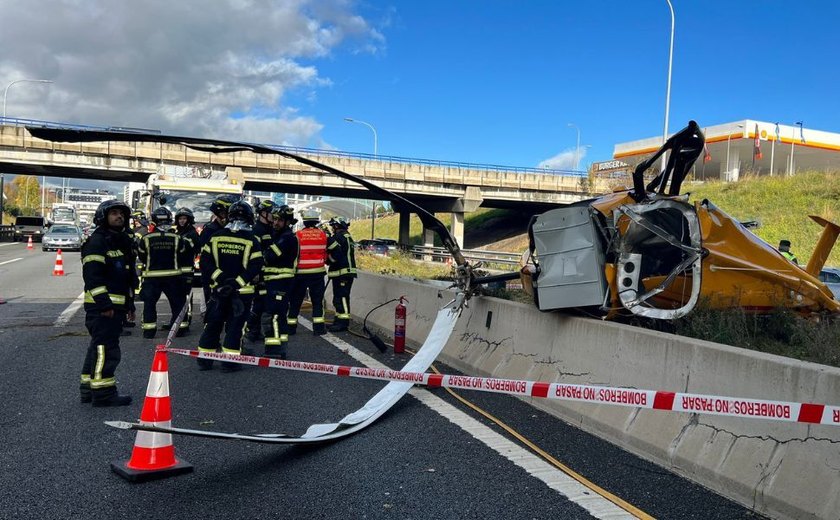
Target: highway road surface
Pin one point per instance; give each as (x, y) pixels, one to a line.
(431, 456)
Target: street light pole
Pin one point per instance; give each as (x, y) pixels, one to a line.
(799, 124)
(577, 146)
(5, 95)
(668, 90)
(372, 129)
(6, 91)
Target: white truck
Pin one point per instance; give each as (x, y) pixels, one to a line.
(64, 214)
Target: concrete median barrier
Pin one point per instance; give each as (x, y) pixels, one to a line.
(782, 469)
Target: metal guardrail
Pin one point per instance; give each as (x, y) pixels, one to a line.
(16, 121)
(502, 259)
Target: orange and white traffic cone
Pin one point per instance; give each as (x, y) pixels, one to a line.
(153, 456)
(29, 244)
(58, 270)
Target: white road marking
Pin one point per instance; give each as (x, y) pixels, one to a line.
(10, 261)
(596, 505)
(9, 244)
(68, 313)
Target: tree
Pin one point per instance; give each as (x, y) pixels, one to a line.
(26, 194)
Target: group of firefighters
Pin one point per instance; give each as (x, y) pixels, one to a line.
(255, 272)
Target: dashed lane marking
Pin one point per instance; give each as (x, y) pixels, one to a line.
(10, 244)
(10, 261)
(68, 313)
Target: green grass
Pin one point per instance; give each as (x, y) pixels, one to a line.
(782, 205)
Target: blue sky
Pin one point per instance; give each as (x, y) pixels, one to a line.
(498, 82)
(488, 82)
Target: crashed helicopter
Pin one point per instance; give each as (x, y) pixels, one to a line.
(649, 252)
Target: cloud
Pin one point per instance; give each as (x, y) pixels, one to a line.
(211, 69)
(564, 160)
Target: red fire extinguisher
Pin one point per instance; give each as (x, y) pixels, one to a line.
(399, 327)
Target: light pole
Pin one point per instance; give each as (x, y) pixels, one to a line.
(577, 146)
(5, 94)
(372, 129)
(668, 90)
(799, 124)
(728, 139)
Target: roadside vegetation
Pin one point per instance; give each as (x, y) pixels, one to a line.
(780, 204)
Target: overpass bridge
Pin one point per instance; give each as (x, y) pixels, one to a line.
(437, 186)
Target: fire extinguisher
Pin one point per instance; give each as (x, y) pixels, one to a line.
(399, 326)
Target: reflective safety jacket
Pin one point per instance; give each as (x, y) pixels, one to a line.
(281, 257)
(313, 251)
(208, 231)
(342, 251)
(232, 257)
(107, 271)
(190, 236)
(164, 254)
(263, 232)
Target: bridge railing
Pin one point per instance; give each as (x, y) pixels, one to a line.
(16, 121)
(491, 259)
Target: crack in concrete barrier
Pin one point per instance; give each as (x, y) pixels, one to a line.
(768, 437)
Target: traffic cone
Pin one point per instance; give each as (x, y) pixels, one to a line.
(153, 456)
(58, 270)
(29, 244)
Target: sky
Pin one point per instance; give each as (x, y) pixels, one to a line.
(493, 82)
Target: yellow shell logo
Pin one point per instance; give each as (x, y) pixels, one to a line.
(764, 134)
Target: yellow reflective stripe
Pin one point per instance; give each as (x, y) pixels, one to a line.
(271, 277)
(216, 274)
(321, 269)
(343, 316)
(241, 281)
(100, 362)
(96, 291)
(149, 326)
(291, 321)
(85, 379)
(96, 384)
(248, 289)
(317, 319)
(276, 250)
(332, 246)
(186, 270)
(256, 254)
(201, 349)
(284, 338)
(93, 258)
(117, 299)
(206, 248)
(231, 351)
(272, 341)
(162, 272)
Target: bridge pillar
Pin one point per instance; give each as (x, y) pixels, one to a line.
(428, 241)
(405, 226)
(457, 228)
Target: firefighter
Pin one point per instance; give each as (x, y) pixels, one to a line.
(309, 274)
(140, 224)
(219, 208)
(263, 231)
(185, 227)
(279, 275)
(107, 274)
(342, 260)
(167, 263)
(784, 248)
(231, 259)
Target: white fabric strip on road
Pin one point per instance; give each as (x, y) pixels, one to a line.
(10, 261)
(70, 311)
(555, 479)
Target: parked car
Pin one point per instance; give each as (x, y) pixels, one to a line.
(830, 276)
(376, 247)
(392, 244)
(34, 227)
(64, 237)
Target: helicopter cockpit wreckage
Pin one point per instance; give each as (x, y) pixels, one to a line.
(649, 252)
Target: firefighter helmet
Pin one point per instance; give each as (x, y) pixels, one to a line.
(266, 205)
(311, 217)
(100, 218)
(138, 214)
(284, 212)
(162, 216)
(223, 203)
(339, 222)
(242, 212)
(185, 212)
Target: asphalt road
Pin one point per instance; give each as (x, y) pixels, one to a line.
(413, 463)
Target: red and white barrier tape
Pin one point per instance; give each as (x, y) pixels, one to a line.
(652, 399)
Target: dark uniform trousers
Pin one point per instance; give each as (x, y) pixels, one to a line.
(278, 296)
(103, 354)
(173, 288)
(257, 309)
(229, 313)
(314, 283)
(341, 296)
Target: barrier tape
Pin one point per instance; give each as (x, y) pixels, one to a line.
(651, 399)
